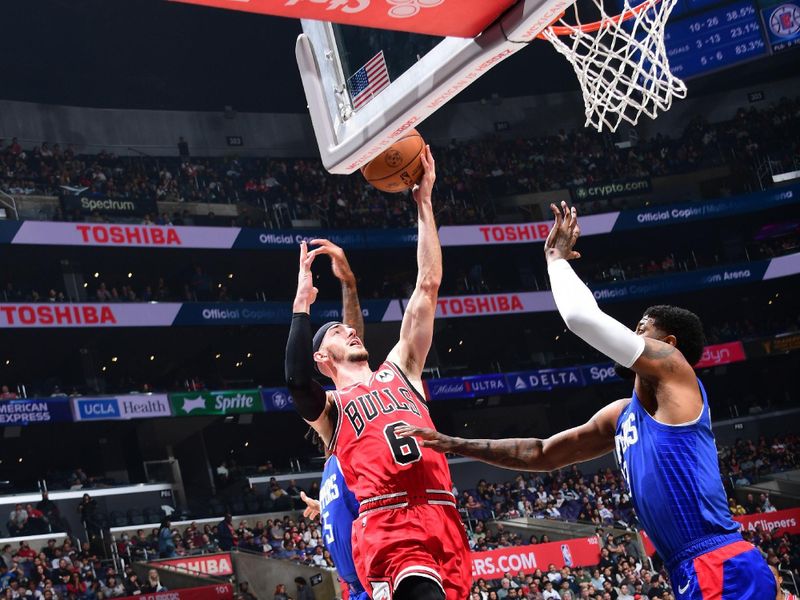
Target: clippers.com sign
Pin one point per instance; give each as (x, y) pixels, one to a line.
(570, 553)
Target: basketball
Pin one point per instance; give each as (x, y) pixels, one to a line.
(399, 167)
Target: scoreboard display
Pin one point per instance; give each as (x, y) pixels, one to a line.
(715, 38)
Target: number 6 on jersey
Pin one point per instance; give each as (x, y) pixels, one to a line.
(404, 450)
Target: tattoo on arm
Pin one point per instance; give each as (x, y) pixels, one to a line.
(516, 453)
(352, 308)
(660, 351)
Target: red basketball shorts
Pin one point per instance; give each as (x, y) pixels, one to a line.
(422, 540)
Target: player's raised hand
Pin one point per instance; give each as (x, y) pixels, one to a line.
(341, 268)
(422, 191)
(564, 234)
(428, 438)
(306, 292)
(313, 507)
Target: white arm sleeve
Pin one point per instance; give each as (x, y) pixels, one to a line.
(584, 318)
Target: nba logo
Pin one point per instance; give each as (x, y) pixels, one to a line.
(566, 555)
(785, 20)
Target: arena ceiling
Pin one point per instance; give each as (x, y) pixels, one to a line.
(158, 54)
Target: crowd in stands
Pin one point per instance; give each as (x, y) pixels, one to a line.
(66, 571)
(468, 172)
(601, 499)
(70, 572)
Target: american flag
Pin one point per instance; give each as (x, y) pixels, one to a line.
(368, 80)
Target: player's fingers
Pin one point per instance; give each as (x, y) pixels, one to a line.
(407, 431)
(573, 255)
(556, 214)
(303, 252)
(424, 160)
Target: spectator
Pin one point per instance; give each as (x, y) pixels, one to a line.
(75, 586)
(153, 583)
(88, 510)
(6, 394)
(37, 522)
(280, 593)
(132, 587)
(303, 590)
(245, 593)
(51, 512)
(112, 588)
(226, 535)
(17, 520)
(166, 545)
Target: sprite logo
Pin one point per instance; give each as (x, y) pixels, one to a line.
(216, 403)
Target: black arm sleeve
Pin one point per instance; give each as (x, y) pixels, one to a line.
(308, 395)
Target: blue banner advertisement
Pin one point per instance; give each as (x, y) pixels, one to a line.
(277, 313)
(545, 379)
(26, 411)
(681, 282)
(277, 399)
(259, 239)
(698, 210)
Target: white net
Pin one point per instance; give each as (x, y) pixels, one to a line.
(622, 65)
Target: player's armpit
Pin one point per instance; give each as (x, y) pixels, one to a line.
(325, 424)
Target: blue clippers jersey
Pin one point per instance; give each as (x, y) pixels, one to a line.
(673, 475)
(339, 508)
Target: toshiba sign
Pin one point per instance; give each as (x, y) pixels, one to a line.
(519, 233)
(143, 236)
(209, 564)
(87, 315)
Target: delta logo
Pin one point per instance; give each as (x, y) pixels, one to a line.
(42, 315)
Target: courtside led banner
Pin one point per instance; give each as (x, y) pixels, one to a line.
(777, 523)
(459, 18)
(580, 552)
(218, 565)
(225, 238)
(219, 591)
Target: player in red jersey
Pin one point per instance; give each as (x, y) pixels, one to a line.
(782, 594)
(408, 541)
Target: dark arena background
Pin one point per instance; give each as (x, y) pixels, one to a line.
(158, 170)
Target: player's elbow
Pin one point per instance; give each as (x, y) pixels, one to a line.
(430, 284)
(578, 322)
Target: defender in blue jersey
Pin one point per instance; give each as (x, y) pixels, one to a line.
(338, 508)
(662, 437)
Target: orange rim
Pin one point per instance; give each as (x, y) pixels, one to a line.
(562, 30)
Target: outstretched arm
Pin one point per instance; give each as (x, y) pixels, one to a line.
(657, 362)
(590, 440)
(351, 306)
(416, 331)
(309, 398)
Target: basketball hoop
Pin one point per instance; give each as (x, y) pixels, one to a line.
(620, 61)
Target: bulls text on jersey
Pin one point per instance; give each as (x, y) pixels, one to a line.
(365, 408)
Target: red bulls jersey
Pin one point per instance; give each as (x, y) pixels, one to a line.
(373, 460)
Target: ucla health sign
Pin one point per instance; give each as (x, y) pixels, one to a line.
(134, 406)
